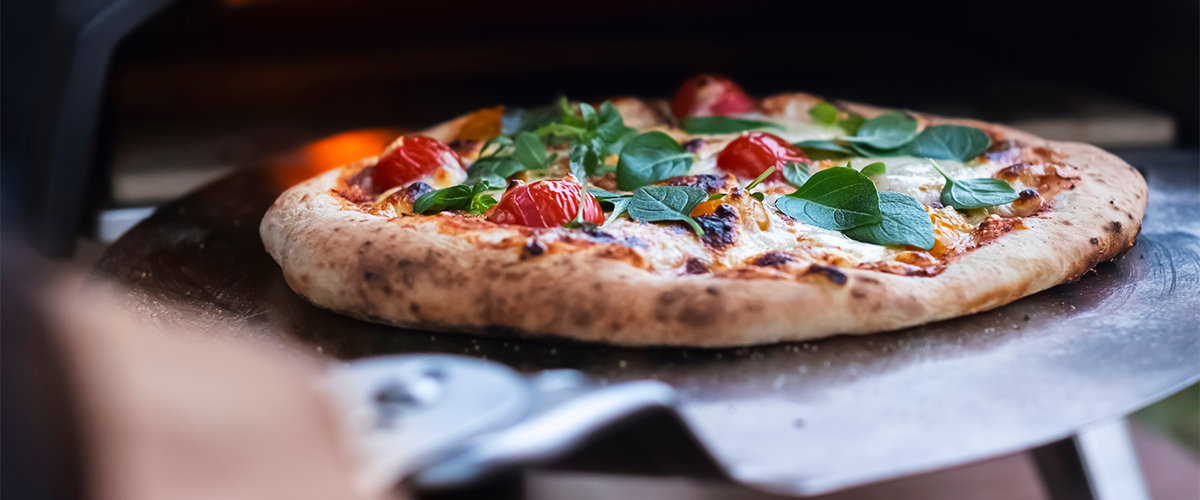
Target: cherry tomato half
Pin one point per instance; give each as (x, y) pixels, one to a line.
(545, 204)
(749, 155)
(415, 157)
(708, 95)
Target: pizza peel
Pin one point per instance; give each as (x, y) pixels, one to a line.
(795, 418)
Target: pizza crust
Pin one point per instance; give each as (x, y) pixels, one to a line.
(445, 273)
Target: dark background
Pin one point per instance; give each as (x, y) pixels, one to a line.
(376, 62)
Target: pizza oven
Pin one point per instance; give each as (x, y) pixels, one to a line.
(136, 102)
(116, 110)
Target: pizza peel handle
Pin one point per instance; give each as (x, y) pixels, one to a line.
(442, 421)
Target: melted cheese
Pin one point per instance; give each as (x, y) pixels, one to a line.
(665, 247)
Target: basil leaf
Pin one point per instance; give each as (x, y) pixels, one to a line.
(650, 157)
(874, 169)
(451, 198)
(905, 222)
(604, 196)
(665, 203)
(823, 150)
(716, 196)
(516, 120)
(619, 206)
(582, 161)
(795, 174)
(493, 170)
(530, 151)
(889, 130)
(611, 127)
(823, 112)
(588, 115)
(466, 197)
(724, 125)
(852, 123)
(950, 142)
(836, 198)
(975, 193)
(499, 141)
(480, 202)
(872, 152)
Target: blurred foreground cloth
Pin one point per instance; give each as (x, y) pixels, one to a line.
(193, 415)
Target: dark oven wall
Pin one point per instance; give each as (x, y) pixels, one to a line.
(382, 62)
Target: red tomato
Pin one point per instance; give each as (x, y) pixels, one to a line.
(708, 95)
(545, 204)
(749, 155)
(413, 157)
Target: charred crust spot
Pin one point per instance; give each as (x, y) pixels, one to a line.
(1027, 194)
(694, 266)
(1067, 222)
(994, 227)
(858, 294)
(1094, 241)
(670, 297)
(582, 317)
(635, 242)
(869, 279)
(720, 227)
(1113, 227)
(708, 182)
(699, 314)
(414, 308)
(532, 249)
(368, 275)
(416, 189)
(772, 259)
(835, 275)
(596, 234)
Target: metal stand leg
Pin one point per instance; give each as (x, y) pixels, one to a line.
(1097, 463)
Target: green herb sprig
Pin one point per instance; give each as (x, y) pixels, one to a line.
(893, 134)
(649, 158)
(468, 198)
(975, 193)
(843, 199)
(725, 125)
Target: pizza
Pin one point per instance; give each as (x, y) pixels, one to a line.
(710, 219)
